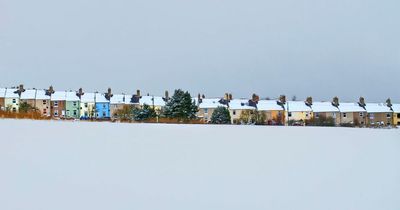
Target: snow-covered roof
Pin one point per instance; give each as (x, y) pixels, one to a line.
(396, 108)
(101, 98)
(297, 106)
(324, 107)
(121, 99)
(240, 104)
(59, 96)
(269, 105)
(87, 98)
(2, 92)
(158, 101)
(28, 94)
(377, 108)
(41, 95)
(10, 93)
(350, 107)
(210, 103)
(71, 96)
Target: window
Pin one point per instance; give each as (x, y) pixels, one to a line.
(290, 114)
(55, 103)
(44, 111)
(14, 100)
(14, 109)
(361, 114)
(104, 106)
(234, 112)
(205, 111)
(344, 115)
(104, 114)
(86, 114)
(388, 115)
(74, 112)
(55, 113)
(398, 115)
(74, 104)
(44, 102)
(333, 114)
(86, 105)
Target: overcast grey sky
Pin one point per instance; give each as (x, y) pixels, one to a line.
(304, 47)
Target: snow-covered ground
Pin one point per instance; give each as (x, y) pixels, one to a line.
(76, 165)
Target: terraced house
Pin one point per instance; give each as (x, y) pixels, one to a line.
(72, 105)
(11, 100)
(102, 104)
(327, 110)
(274, 111)
(353, 114)
(207, 107)
(87, 106)
(42, 103)
(378, 114)
(58, 104)
(298, 112)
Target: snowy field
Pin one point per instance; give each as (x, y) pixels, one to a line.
(82, 166)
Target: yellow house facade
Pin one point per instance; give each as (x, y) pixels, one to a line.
(297, 112)
(396, 114)
(274, 112)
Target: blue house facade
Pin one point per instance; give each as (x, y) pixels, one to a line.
(102, 107)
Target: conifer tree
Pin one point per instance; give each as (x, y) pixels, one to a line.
(180, 106)
(221, 115)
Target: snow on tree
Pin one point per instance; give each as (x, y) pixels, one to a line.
(180, 106)
(221, 115)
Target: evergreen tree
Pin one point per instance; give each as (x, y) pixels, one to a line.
(221, 115)
(25, 108)
(144, 113)
(180, 106)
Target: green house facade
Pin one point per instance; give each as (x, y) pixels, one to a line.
(72, 106)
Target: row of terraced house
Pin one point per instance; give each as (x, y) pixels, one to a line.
(103, 106)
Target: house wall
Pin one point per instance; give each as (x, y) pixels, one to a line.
(235, 115)
(334, 115)
(11, 104)
(274, 117)
(114, 108)
(396, 118)
(352, 117)
(2, 106)
(205, 114)
(72, 109)
(43, 106)
(297, 116)
(60, 109)
(374, 118)
(102, 110)
(87, 110)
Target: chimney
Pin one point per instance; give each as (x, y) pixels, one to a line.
(335, 102)
(362, 102)
(389, 103)
(80, 93)
(109, 94)
(50, 91)
(230, 97)
(255, 98)
(226, 97)
(138, 92)
(166, 98)
(203, 96)
(282, 99)
(19, 90)
(199, 99)
(309, 101)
